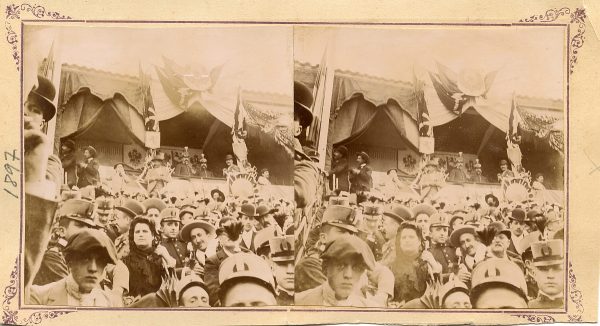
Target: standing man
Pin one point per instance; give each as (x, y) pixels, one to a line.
(338, 220)
(87, 170)
(393, 216)
(230, 167)
(74, 216)
(516, 225)
(549, 274)
(170, 224)
(203, 171)
(198, 233)
(345, 260)
(439, 248)
(86, 254)
(504, 171)
(361, 180)
(282, 264)
(156, 175)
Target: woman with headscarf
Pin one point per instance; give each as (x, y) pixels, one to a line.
(410, 269)
(147, 261)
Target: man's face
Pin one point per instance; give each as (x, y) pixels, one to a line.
(153, 214)
(517, 228)
(500, 244)
(248, 294)
(540, 179)
(87, 270)
(34, 116)
(122, 220)
(229, 162)
(194, 296)
(467, 244)
(457, 300)
(331, 233)
(389, 227)
(343, 275)
(73, 227)
(266, 174)
(372, 222)
(87, 154)
(186, 218)
(199, 238)
(422, 221)
(337, 155)
(170, 229)
(247, 221)
(550, 279)
(284, 274)
(500, 298)
(503, 167)
(297, 126)
(438, 234)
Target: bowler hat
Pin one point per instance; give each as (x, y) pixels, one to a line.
(43, 94)
(303, 100)
(187, 229)
(517, 214)
(228, 157)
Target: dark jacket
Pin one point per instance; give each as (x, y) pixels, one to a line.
(211, 275)
(340, 169)
(361, 181)
(145, 271)
(90, 175)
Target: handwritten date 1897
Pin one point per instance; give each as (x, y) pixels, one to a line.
(11, 178)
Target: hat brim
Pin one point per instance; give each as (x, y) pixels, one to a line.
(548, 262)
(304, 114)
(89, 223)
(49, 110)
(456, 234)
(187, 229)
(126, 211)
(397, 218)
(344, 226)
(283, 258)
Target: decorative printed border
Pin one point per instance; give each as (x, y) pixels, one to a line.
(10, 316)
(577, 18)
(13, 14)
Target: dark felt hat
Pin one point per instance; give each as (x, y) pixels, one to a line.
(303, 100)
(89, 239)
(43, 94)
(349, 245)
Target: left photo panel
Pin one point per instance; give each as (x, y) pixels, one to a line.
(158, 165)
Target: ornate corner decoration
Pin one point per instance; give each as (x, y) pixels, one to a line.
(577, 19)
(14, 13)
(575, 296)
(10, 314)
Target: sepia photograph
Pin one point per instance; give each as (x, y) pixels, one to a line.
(432, 173)
(158, 165)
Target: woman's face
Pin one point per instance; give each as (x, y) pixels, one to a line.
(409, 241)
(142, 236)
(86, 154)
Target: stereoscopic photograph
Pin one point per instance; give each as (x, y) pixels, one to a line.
(158, 166)
(438, 167)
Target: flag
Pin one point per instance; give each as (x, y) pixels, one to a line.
(149, 112)
(46, 68)
(239, 116)
(319, 100)
(446, 91)
(425, 128)
(513, 122)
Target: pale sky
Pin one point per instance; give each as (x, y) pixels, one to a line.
(259, 57)
(529, 60)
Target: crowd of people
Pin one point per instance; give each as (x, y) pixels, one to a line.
(128, 241)
(407, 245)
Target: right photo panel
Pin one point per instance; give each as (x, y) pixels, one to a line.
(429, 166)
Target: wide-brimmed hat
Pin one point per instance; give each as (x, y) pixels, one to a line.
(423, 209)
(43, 94)
(187, 229)
(221, 194)
(496, 201)
(455, 235)
(154, 203)
(303, 100)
